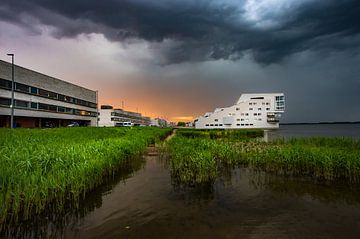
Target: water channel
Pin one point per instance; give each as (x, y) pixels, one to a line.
(143, 201)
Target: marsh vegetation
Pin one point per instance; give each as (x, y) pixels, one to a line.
(197, 156)
(51, 166)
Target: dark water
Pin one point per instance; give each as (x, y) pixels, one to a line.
(144, 202)
(316, 130)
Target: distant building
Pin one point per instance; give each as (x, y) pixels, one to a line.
(44, 101)
(250, 111)
(110, 117)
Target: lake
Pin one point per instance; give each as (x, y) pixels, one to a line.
(316, 130)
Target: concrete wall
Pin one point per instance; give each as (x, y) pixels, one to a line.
(36, 79)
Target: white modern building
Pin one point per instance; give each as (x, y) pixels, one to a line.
(110, 117)
(44, 101)
(250, 111)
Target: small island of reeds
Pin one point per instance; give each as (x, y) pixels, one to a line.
(197, 156)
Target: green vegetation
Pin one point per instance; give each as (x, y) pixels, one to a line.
(43, 166)
(197, 156)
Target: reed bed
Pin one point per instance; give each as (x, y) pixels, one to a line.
(321, 158)
(43, 166)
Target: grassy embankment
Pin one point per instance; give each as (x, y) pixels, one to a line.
(196, 156)
(42, 166)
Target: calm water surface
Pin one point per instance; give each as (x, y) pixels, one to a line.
(144, 202)
(316, 130)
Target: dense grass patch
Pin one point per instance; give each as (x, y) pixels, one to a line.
(198, 159)
(42, 166)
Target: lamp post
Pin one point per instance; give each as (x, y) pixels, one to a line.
(12, 91)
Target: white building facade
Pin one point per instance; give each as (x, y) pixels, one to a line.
(250, 111)
(110, 117)
(44, 101)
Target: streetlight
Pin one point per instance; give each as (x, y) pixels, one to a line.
(12, 91)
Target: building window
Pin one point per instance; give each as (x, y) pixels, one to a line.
(33, 105)
(254, 104)
(33, 90)
(263, 103)
(267, 108)
(242, 124)
(242, 114)
(259, 119)
(237, 108)
(21, 104)
(242, 119)
(251, 124)
(237, 119)
(22, 87)
(259, 108)
(250, 103)
(5, 101)
(216, 124)
(5, 84)
(61, 109)
(207, 125)
(211, 124)
(259, 114)
(216, 120)
(247, 114)
(250, 108)
(255, 114)
(267, 103)
(220, 125)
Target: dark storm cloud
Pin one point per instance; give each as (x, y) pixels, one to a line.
(200, 30)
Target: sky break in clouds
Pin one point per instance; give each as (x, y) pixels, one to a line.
(183, 58)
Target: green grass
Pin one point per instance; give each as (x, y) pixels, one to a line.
(197, 158)
(43, 166)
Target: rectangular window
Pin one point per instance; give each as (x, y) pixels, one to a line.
(237, 124)
(250, 103)
(259, 114)
(5, 101)
(21, 104)
(34, 90)
(220, 125)
(33, 105)
(247, 114)
(267, 103)
(237, 108)
(22, 87)
(68, 110)
(237, 119)
(207, 125)
(216, 125)
(43, 106)
(5, 84)
(259, 108)
(216, 120)
(242, 124)
(250, 108)
(211, 125)
(263, 103)
(53, 108)
(255, 114)
(267, 108)
(61, 109)
(242, 119)
(61, 97)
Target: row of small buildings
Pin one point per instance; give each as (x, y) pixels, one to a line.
(44, 101)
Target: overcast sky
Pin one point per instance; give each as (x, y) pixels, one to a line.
(181, 58)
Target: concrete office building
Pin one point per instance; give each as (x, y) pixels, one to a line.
(250, 111)
(110, 117)
(44, 101)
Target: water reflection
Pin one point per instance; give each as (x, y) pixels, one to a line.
(53, 222)
(241, 203)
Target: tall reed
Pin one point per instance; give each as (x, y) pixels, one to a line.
(42, 166)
